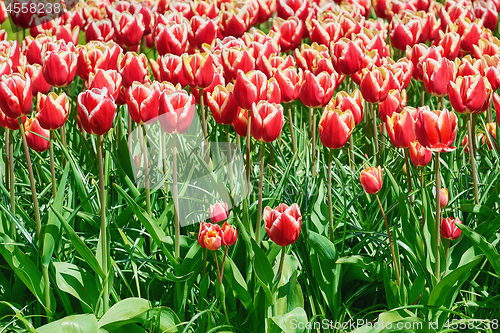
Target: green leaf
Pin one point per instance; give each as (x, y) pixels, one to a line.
(124, 312)
(263, 270)
(85, 323)
(53, 227)
(163, 318)
(323, 247)
(478, 209)
(489, 250)
(238, 285)
(77, 282)
(293, 322)
(367, 263)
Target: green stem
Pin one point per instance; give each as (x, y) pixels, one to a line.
(249, 142)
(408, 175)
(63, 141)
(489, 114)
(437, 235)
(446, 255)
(472, 148)
(375, 132)
(422, 94)
(176, 201)
(313, 129)
(12, 185)
(390, 241)
(145, 160)
(229, 157)
(261, 178)
(280, 268)
(351, 154)
(52, 167)
(423, 193)
(223, 262)
(104, 241)
(205, 262)
(292, 134)
(329, 189)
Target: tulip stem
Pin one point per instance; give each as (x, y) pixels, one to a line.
(217, 264)
(280, 268)
(205, 263)
(229, 157)
(204, 124)
(422, 94)
(223, 261)
(145, 160)
(329, 189)
(176, 200)
(472, 149)
(52, 168)
(489, 115)
(408, 174)
(63, 141)
(261, 178)
(292, 134)
(249, 142)
(351, 153)
(390, 241)
(313, 159)
(441, 103)
(437, 233)
(375, 132)
(446, 255)
(12, 180)
(104, 242)
(423, 193)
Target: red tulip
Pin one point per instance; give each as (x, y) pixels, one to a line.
(212, 240)
(437, 74)
(110, 79)
(283, 223)
(289, 8)
(59, 67)
(335, 127)
(36, 136)
(176, 111)
(32, 47)
(171, 38)
(450, 42)
(234, 20)
(353, 103)
(347, 56)
(67, 34)
(403, 72)
(52, 110)
(96, 110)
(15, 95)
(267, 121)
(250, 88)
(444, 197)
(10, 123)
(269, 65)
(400, 128)
(203, 31)
(12, 52)
(419, 155)
(241, 122)
(405, 32)
(323, 32)
(219, 212)
(470, 33)
(371, 179)
(91, 57)
(199, 69)
(290, 82)
(449, 229)
(133, 67)
(492, 71)
(171, 69)
(143, 102)
(202, 7)
(373, 39)
(229, 234)
(223, 105)
(394, 103)
(375, 84)
(129, 29)
(470, 94)
(235, 59)
(102, 31)
(436, 130)
(469, 66)
(291, 31)
(316, 91)
(308, 56)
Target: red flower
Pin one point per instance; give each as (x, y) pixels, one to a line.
(371, 179)
(250, 88)
(400, 128)
(470, 94)
(15, 95)
(375, 84)
(316, 91)
(59, 67)
(33, 47)
(128, 29)
(171, 37)
(176, 111)
(36, 136)
(171, 69)
(241, 123)
(353, 103)
(133, 67)
(143, 102)
(283, 223)
(289, 8)
(449, 229)
(419, 155)
(96, 110)
(52, 110)
(436, 130)
(347, 56)
(394, 103)
(102, 31)
(405, 32)
(291, 31)
(444, 197)
(110, 79)
(234, 59)
(335, 127)
(229, 234)
(437, 74)
(223, 105)
(218, 212)
(234, 20)
(290, 82)
(209, 236)
(199, 69)
(203, 31)
(267, 121)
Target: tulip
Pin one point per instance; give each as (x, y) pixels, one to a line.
(199, 69)
(143, 102)
(209, 236)
(38, 83)
(36, 136)
(96, 110)
(110, 79)
(219, 212)
(91, 57)
(269, 65)
(12, 52)
(449, 229)
(33, 47)
(235, 59)
(59, 67)
(133, 67)
(347, 56)
(283, 223)
(405, 32)
(229, 234)
(394, 103)
(290, 82)
(316, 91)
(234, 20)
(400, 128)
(353, 103)
(267, 121)
(437, 74)
(290, 30)
(223, 105)
(250, 88)
(208, 8)
(323, 32)
(436, 130)
(335, 127)
(307, 57)
(176, 111)
(470, 33)
(129, 29)
(289, 8)
(470, 94)
(371, 179)
(67, 33)
(203, 31)
(403, 71)
(10, 123)
(171, 38)
(171, 69)
(444, 197)
(241, 123)
(469, 66)
(52, 110)
(375, 84)
(102, 31)
(15, 95)
(450, 42)
(419, 155)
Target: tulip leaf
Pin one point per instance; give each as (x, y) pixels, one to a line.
(237, 283)
(374, 268)
(263, 270)
(292, 322)
(84, 323)
(124, 312)
(487, 248)
(478, 209)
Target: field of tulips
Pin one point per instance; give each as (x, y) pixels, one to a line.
(249, 166)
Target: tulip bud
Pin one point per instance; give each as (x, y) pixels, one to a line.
(436, 130)
(36, 136)
(59, 67)
(323, 32)
(419, 155)
(241, 123)
(394, 103)
(444, 197)
(128, 29)
(371, 179)
(203, 31)
(449, 229)
(405, 32)
(15, 95)
(375, 84)
(199, 69)
(335, 127)
(267, 121)
(290, 30)
(316, 91)
(353, 103)
(176, 111)
(283, 223)
(229, 234)
(96, 110)
(52, 110)
(218, 212)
